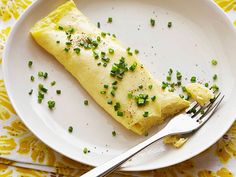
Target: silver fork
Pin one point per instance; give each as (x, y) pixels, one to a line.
(193, 118)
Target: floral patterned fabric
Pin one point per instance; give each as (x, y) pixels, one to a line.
(22, 154)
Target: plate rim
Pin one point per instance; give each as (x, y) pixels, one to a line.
(210, 3)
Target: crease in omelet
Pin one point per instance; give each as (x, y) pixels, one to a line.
(110, 73)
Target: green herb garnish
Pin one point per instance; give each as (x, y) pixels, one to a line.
(145, 114)
(86, 151)
(109, 102)
(60, 28)
(117, 106)
(98, 24)
(32, 78)
(53, 83)
(86, 102)
(153, 98)
(193, 79)
(51, 104)
(120, 114)
(215, 77)
(111, 51)
(31, 91)
(113, 133)
(70, 129)
(152, 22)
(214, 62)
(136, 51)
(77, 50)
(178, 75)
(109, 20)
(133, 66)
(141, 99)
(42, 88)
(169, 24)
(206, 84)
(58, 92)
(30, 63)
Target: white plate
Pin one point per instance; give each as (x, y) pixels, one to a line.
(200, 32)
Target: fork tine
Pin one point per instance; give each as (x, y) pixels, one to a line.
(210, 110)
(206, 106)
(194, 105)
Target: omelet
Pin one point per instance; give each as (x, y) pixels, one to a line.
(112, 74)
(200, 93)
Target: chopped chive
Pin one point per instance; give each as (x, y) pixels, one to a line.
(133, 66)
(169, 24)
(42, 88)
(206, 84)
(58, 92)
(109, 102)
(103, 34)
(184, 89)
(103, 92)
(150, 87)
(114, 87)
(193, 79)
(130, 95)
(40, 97)
(117, 106)
(31, 91)
(98, 24)
(215, 77)
(120, 114)
(58, 42)
(99, 39)
(111, 51)
(164, 85)
(51, 104)
(140, 86)
(145, 114)
(53, 83)
(70, 129)
(181, 96)
(170, 71)
(66, 49)
(68, 43)
(104, 64)
(99, 63)
(86, 102)
(136, 51)
(179, 83)
(60, 28)
(106, 86)
(30, 63)
(32, 78)
(71, 31)
(152, 22)
(153, 98)
(214, 62)
(86, 151)
(114, 83)
(109, 20)
(178, 75)
(77, 50)
(214, 87)
(113, 35)
(168, 78)
(45, 75)
(113, 133)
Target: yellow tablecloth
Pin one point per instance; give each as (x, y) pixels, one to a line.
(22, 154)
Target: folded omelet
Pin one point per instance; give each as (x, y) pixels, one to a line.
(110, 73)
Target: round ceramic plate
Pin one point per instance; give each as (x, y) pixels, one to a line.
(200, 32)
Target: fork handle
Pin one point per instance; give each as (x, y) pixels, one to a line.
(112, 165)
